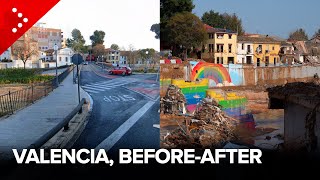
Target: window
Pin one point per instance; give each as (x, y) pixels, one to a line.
(112, 57)
(220, 36)
(249, 49)
(230, 36)
(116, 57)
(230, 48)
(272, 48)
(211, 46)
(242, 46)
(67, 59)
(219, 60)
(259, 49)
(124, 62)
(219, 47)
(267, 61)
(211, 36)
(60, 59)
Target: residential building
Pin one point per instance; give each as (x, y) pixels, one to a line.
(46, 37)
(113, 56)
(244, 51)
(265, 49)
(124, 57)
(6, 54)
(221, 46)
(315, 39)
(287, 53)
(64, 57)
(30, 44)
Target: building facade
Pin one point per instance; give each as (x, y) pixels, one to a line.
(112, 56)
(244, 51)
(265, 49)
(221, 46)
(124, 57)
(46, 37)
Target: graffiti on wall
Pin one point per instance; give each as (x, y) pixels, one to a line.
(217, 74)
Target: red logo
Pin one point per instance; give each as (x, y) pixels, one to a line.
(17, 16)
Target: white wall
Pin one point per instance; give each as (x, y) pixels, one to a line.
(243, 53)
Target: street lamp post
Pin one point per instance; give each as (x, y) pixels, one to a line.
(55, 48)
(145, 68)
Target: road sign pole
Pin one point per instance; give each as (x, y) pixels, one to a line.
(78, 74)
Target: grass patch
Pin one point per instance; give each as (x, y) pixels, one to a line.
(22, 76)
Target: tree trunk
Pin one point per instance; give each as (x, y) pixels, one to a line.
(24, 64)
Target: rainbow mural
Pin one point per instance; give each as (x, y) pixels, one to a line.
(215, 72)
(193, 91)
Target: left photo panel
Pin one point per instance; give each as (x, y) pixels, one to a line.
(84, 75)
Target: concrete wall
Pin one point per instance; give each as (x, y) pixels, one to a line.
(295, 129)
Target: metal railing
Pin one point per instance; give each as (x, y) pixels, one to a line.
(13, 101)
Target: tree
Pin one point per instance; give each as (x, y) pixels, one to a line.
(98, 50)
(156, 29)
(132, 55)
(114, 46)
(77, 42)
(97, 37)
(168, 9)
(186, 30)
(213, 19)
(298, 35)
(23, 51)
(227, 21)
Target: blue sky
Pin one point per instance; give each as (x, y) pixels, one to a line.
(273, 17)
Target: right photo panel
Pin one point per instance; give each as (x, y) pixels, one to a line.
(235, 75)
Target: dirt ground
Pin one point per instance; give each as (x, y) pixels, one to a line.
(5, 89)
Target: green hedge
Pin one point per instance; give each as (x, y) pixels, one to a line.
(22, 76)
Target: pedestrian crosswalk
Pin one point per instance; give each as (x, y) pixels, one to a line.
(98, 87)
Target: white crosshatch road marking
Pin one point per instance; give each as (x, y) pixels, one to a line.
(98, 87)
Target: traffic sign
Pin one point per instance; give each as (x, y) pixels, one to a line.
(77, 59)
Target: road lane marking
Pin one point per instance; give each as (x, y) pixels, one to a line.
(103, 86)
(95, 89)
(91, 91)
(156, 126)
(110, 141)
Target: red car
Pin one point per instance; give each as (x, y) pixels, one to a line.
(121, 70)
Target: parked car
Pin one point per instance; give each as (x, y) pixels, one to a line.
(121, 70)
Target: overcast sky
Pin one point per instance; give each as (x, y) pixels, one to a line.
(125, 22)
(274, 17)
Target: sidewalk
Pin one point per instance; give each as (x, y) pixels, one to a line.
(24, 127)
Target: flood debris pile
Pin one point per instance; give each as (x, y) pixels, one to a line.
(307, 88)
(208, 128)
(173, 102)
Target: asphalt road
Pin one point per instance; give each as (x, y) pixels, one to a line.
(125, 111)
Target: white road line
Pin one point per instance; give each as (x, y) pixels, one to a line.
(110, 141)
(96, 86)
(156, 126)
(102, 86)
(91, 91)
(108, 82)
(96, 89)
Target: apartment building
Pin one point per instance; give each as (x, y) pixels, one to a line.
(221, 46)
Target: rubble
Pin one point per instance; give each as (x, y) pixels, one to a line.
(208, 128)
(173, 102)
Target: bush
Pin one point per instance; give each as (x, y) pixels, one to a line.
(22, 76)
